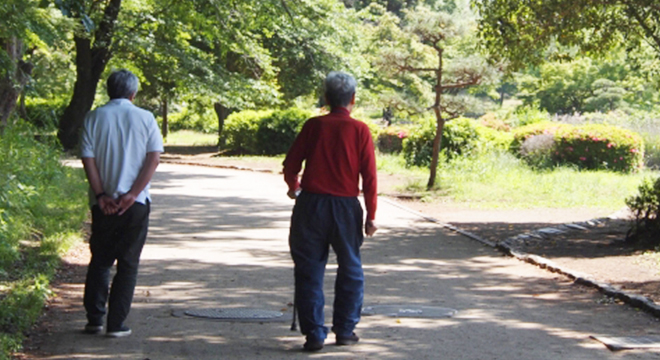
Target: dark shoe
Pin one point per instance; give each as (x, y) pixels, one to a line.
(348, 340)
(313, 345)
(93, 328)
(121, 332)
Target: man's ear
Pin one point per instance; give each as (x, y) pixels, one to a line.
(132, 97)
(353, 99)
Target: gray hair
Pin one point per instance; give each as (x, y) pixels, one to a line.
(339, 89)
(122, 84)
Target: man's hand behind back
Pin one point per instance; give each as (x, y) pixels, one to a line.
(108, 205)
(125, 202)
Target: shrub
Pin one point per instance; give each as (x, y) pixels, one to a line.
(251, 132)
(646, 209)
(596, 146)
(491, 139)
(205, 121)
(44, 113)
(391, 139)
(276, 133)
(460, 137)
(239, 134)
(417, 148)
(523, 133)
(491, 120)
(537, 150)
(526, 115)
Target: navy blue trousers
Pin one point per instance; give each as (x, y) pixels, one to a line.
(119, 238)
(318, 222)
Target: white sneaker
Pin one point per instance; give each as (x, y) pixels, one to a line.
(123, 331)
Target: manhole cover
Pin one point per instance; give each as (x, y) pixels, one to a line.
(234, 313)
(629, 342)
(409, 311)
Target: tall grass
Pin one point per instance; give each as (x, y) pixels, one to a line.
(42, 208)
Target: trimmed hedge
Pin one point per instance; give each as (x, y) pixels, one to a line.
(596, 146)
(276, 133)
(523, 133)
(251, 132)
(239, 134)
(591, 146)
(460, 137)
(390, 140)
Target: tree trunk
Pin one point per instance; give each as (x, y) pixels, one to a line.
(90, 64)
(165, 127)
(437, 143)
(440, 123)
(222, 112)
(12, 83)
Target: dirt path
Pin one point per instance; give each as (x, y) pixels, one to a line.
(218, 240)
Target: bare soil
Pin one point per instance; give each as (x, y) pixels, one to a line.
(599, 251)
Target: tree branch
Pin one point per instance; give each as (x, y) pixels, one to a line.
(642, 23)
(461, 85)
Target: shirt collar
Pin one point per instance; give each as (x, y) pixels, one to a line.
(120, 101)
(340, 110)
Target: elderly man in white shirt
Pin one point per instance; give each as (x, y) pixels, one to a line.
(120, 150)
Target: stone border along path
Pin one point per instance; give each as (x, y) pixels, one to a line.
(508, 247)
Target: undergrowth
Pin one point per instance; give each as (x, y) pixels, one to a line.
(42, 208)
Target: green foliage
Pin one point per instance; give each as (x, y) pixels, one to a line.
(417, 148)
(527, 32)
(276, 133)
(191, 138)
(44, 113)
(646, 123)
(461, 137)
(21, 306)
(493, 139)
(262, 132)
(390, 140)
(43, 203)
(589, 146)
(646, 209)
(491, 120)
(526, 132)
(586, 84)
(202, 120)
(239, 133)
(597, 146)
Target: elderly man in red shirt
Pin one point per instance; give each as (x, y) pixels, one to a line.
(337, 151)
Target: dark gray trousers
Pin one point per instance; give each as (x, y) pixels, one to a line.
(121, 239)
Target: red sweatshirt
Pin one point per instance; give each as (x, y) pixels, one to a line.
(337, 149)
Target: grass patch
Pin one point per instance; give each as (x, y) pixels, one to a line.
(191, 138)
(42, 208)
(500, 180)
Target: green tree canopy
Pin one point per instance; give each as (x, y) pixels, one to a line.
(529, 32)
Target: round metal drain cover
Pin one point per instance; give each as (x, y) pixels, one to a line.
(409, 311)
(234, 313)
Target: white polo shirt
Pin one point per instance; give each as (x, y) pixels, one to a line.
(118, 135)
